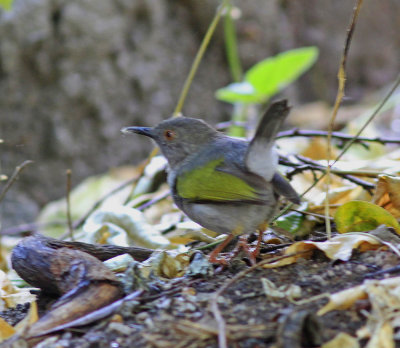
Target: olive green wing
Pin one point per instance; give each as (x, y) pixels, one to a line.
(209, 182)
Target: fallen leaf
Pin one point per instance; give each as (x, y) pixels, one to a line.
(359, 216)
(6, 330)
(382, 337)
(344, 299)
(337, 248)
(31, 318)
(84, 195)
(342, 340)
(167, 264)
(289, 291)
(318, 150)
(387, 194)
(11, 295)
(385, 290)
(121, 225)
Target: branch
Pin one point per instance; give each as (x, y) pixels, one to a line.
(14, 177)
(101, 251)
(315, 166)
(337, 135)
(68, 194)
(78, 223)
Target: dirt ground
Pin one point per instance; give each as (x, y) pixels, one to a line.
(180, 312)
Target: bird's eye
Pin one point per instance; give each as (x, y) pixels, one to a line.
(169, 134)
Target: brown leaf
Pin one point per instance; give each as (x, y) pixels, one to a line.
(387, 194)
(6, 330)
(337, 248)
(342, 340)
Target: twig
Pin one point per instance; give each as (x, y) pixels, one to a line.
(13, 178)
(315, 166)
(154, 201)
(29, 228)
(312, 165)
(78, 223)
(319, 216)
(141, 168)
(351, 142)
(222, 341)
(373, 115)
(336, 135)
(101, 251)
(339, 97)
(69, 219)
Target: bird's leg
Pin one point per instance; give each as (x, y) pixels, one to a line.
(213, 256)
(261, 230)
(243, 245)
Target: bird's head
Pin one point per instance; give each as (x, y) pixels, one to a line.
(177, 137)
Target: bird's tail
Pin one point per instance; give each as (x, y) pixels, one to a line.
(261, 158)
(272, 121)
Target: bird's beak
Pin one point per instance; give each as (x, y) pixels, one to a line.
(147, 131)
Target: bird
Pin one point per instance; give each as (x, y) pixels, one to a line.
(225, 184)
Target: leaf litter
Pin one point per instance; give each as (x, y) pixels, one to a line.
(268, 305)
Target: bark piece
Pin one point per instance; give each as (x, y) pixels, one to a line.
(82, 281)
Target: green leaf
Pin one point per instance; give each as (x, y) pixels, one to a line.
(360, 216)
(239, 92)
(273, 74)
(6, 4)
(290, 222)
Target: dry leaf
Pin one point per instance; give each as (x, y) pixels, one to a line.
(167, 264)
(387, 194)
(11, 295)
(31, 317)
(382, 337)
(342, 340)
(289, 291)
(344, 299)
(6, 330)
(337, 248)
(121, 225)
(318, 150)
(385, 292)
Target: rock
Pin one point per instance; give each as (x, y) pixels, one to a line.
(72, 73)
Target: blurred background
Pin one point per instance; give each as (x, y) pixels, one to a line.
(74, 72)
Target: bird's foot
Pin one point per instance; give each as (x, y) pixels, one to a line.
(213, 256)
(241, 245)
(244, 245)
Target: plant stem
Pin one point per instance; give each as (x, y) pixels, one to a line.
(231, 44)
(197, 59)
(239, 116)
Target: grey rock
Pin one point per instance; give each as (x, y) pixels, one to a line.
(73, 73)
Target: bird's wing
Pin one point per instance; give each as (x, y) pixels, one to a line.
(261, 157)
(211, 182)
(283, 188)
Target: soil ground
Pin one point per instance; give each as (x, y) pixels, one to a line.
(177, 313)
